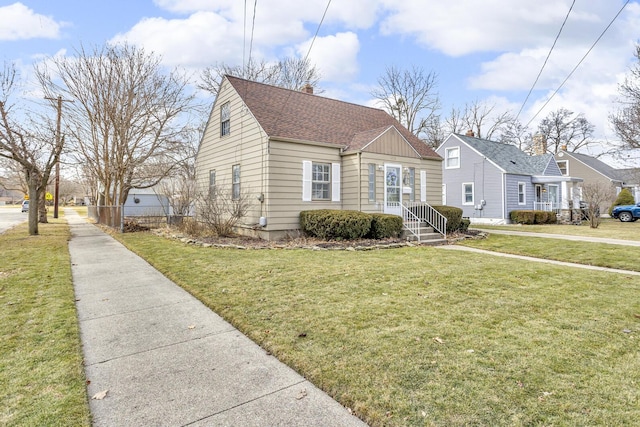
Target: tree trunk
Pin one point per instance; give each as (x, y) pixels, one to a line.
(33, 207)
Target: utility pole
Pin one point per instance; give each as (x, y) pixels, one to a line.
(57, 182)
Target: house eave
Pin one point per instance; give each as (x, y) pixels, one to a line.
(306, 142)
(546, 179)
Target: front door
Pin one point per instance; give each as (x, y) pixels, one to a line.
(392, 189)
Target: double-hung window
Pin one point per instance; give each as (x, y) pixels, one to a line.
(412, 184)
(564, 167)
(225, 119)
(522, 195)
(235, 182)
(321, 181)
(467, 193)
(452, 158)
(372, 182)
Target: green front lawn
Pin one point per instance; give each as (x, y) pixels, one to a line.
(424, 336)
(42, 382)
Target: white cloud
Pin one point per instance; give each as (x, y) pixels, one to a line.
(336, 56)
(18, 22)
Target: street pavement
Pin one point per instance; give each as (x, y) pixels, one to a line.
(10, 216)
(156, 356)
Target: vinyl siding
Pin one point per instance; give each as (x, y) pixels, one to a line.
(284, 199)
(244, 146)
(474, 168)
(391, 143)
(511, 185)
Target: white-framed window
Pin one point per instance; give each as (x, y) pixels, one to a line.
(564, 167)
(235, 182)
(320, 181)
(467, 193)
(212, 184)
(225, 119)
(372, 182)
(522, 193)
(452, 158)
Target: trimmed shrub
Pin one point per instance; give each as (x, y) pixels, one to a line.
(453, 215)
(464, 225)
(532, 217)
(624, 198)
(384, 226)
(332, 224)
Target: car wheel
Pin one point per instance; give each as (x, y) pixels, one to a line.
(625, 216)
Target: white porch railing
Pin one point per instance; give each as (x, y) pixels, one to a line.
(413, 213)
(546, 206)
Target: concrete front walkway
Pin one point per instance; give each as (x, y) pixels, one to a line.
(562, 237)
(164, 359)
(550, 261)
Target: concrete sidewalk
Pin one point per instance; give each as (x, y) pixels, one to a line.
(561, 237)
(167, 360)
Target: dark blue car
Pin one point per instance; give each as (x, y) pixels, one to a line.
(626, 213)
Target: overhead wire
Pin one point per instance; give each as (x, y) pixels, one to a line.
(546, 59)
(579, 63)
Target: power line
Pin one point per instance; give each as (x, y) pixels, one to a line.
(546, 59)
(317, 30)
(253, 26)
(579, 63)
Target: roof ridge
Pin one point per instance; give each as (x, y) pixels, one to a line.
(272, 87)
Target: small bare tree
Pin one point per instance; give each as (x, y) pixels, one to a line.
(30, 143)
(128, 119)
(562, 129)
(626, 121)
(289, 73)
(220, 212)
(410, 97)
(596, 195)
(480, 118)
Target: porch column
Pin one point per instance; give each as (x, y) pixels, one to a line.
(564, 190)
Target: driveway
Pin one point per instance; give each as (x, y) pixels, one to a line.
(10, 216)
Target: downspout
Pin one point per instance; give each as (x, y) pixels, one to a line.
(360, 181)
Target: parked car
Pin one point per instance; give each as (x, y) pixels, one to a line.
(25, 206)
(626, 213)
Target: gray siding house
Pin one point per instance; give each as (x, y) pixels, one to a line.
(489, 179)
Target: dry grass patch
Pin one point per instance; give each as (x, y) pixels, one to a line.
(422, 336)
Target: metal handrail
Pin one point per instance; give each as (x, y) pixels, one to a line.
(425, 212)
(410, 222)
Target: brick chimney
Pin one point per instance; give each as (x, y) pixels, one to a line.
(470, 133)
(307, 89)
(539, 144)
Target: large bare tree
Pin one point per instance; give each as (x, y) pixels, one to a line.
(562, 129)
(626, 121)
(27, 139)
(410, 96)
(289, 73)
(128, 117)
(480, 118)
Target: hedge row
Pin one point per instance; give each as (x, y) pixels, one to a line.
(329, 224)
(533, 217)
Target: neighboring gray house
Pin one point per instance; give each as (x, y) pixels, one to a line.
(489, 179)
(596, 171)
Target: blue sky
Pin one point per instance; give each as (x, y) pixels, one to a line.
(488, 50)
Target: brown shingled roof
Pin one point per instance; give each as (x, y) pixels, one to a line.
(285, 113)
